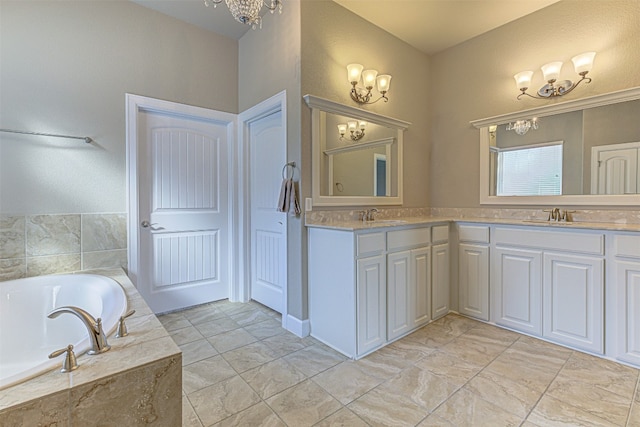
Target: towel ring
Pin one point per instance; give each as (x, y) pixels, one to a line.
(292, 165)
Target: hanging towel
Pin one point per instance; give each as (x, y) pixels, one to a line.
(288, 196)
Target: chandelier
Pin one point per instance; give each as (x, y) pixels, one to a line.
(369, 79)
(352, 126)
(522, 126)
(248, 11)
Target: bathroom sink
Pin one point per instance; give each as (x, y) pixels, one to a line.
(544, 221)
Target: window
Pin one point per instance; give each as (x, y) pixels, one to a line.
(530, 170)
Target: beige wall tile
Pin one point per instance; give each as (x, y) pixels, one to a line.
(12, 239)
(104, 232)
(53, 234)
(42, 265)
(11, 269)
(104, 259)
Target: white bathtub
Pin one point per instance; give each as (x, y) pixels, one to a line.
(28, 336)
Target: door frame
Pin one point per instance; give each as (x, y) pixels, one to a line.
(277, 102)
(135, 104)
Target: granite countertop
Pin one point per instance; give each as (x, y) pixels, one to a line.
(401, 222)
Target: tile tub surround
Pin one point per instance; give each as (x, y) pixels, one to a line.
(35, 245)
(454, 371)
(137, 382)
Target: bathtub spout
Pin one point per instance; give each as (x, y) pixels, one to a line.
(96, 334)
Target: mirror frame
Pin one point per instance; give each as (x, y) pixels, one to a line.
(319, 105)
(631, 94)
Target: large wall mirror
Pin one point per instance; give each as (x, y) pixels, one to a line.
(583, 152)
(356, 155)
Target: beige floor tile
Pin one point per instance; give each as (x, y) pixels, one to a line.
(383, 365)
(273, 377)
(231, 340)
(257, 415)
(421, 386)
(232, 308)
(634, 415)
(221, 400)
(449, 368)
(250, 317)
(492, 335)
(591, 398)
(265, 329)
(303, 405)
(343, 418)
(379, 408)
(217, 326)
(456, 324)
(244, 358)
(186, 335)
(204, 373)
(203, 314)
(431, 336)
(314, 359)
(346, 381)
(542, 358)
(473, 350)
(197, 350)
(435, 421)
(532, 376)
(173, 321)
(285, 343)
(189, 416)
(512, 396)
(550, 412)
(468, 409)
(406, 349)
(605, 374)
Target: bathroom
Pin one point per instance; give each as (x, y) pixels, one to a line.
(66, 67)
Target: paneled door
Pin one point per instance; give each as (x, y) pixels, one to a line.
(267, 147)
(615, 169)
(183, 209)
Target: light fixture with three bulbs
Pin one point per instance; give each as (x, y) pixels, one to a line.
(369, 79)
(356, 129)
(582, 63)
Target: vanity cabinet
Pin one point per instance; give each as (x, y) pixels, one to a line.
(370, 287)
(626, 248)
(550, 284)
(473, 271)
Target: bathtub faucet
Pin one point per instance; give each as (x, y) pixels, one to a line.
(96, 334)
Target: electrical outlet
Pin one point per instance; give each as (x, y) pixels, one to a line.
(308, 204)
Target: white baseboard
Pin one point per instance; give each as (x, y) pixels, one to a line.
(301, 328)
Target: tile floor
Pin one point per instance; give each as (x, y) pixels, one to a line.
(240, 368)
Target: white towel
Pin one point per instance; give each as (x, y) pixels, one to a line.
(289, 195)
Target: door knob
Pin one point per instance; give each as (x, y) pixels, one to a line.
(145, 224)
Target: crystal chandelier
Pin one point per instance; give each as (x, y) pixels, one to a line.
(522, 126)
(248, 11)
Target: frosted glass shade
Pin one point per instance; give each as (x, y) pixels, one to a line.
(551, 71)
(383, 82)
(369, 78)
(353, 125)
(583, 63)
(353, 72)
(362, 124)
(523, 79)
(342, 129)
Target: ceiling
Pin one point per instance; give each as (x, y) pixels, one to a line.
(428, 25)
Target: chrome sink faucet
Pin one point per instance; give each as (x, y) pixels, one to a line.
(369, 215)
(94, 327)
(554, 214)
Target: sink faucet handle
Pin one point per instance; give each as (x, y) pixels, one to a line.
(69, 363)
(567, 216)
(550, 212)
(372, 212)
(122, 327)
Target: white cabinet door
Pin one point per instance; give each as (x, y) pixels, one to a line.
(473, 280)
(372, 303)
(628, 311)
(573, 300)
(399, 290)
(517, 289)
(440, 282)
(420, 303)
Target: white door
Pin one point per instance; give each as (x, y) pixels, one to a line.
(183, 209)
(267, 147)
(617, 169)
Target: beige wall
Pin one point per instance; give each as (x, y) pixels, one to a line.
(269, 62)
(474, 80)
(333, 37)
(66, 66)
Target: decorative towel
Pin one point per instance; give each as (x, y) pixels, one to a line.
(289, 195)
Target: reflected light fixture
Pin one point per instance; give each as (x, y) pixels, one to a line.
(352, 126)
(582, 64)
(522, 126)
(369, 79)
(248, 11)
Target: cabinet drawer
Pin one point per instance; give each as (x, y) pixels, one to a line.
(473, 233)
(440, 234)
(370, 243)
(407, 238)
(626, 245)
(586, 243)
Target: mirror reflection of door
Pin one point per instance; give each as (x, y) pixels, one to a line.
(614, 169)
(380, 175)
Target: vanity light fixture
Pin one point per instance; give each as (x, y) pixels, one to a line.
(522, 126)
(582, 64)
(369, 78)
(248, 11)
(352, 126)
